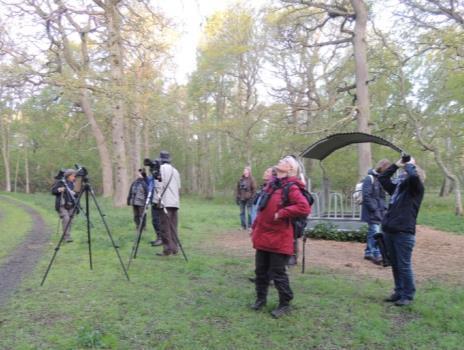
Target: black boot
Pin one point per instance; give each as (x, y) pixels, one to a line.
(281, 310)
(259, 304)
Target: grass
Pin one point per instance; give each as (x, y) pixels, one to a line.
(14, 225)
(202, 304)
(438, 212)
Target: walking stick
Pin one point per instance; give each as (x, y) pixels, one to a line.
(304, 255)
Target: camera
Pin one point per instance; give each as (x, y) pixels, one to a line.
(155, 166)
(81, 177)
(405, 157)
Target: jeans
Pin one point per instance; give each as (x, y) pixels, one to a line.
(245, 205)
(372, 248)
(399, 246)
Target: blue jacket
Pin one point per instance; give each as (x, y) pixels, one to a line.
(406, 197)
(373, 205)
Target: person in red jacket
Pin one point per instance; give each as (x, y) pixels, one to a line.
(272, 235)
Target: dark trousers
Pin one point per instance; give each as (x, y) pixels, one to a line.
(271, 266)
(399, 247)
(168, 226)
(155, 220)
(138, 212)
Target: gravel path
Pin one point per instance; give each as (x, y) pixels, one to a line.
(437, 255)
(23, 259)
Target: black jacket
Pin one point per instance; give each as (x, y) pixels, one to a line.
(373, 204)
(405, 202)
(64, 199)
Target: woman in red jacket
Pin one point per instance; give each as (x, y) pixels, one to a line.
(272, 235)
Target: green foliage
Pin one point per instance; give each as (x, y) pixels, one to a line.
(330, 232)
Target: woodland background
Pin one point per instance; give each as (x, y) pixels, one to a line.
(90, 82)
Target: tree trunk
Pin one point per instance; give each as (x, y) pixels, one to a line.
(16, 173)
(4, 129)
(446, 187)
(117, 100)
(103, 152)
(362, 93)
(26, 170)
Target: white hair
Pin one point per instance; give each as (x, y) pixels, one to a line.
(294, 165)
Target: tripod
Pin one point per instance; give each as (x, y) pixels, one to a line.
(87, 189)
(135, 247)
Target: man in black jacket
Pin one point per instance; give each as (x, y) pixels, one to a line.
(399, 225)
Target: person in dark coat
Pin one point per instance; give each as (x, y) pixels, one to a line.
(399, 225)
(65, 201)
(137, 197)
(373, 209)
(272, 236)
(246, 189)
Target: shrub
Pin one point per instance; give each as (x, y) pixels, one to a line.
(331, 232)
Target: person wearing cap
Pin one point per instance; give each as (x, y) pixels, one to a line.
(399, 225)
(166, 199)
(65, 201)
(137, 196)
(246, 189)
(272, 235)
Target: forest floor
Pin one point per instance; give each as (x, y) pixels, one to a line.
(437, 255)
(22, 260)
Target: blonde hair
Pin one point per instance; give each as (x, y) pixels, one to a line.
(420, 173)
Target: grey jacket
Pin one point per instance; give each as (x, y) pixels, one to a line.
(166, 192)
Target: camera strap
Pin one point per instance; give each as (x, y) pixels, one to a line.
(165, 188)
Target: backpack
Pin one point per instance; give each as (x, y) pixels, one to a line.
(358, 193)
(299, 223)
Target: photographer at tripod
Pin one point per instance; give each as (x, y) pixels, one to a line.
(65, 200)
(166, 202)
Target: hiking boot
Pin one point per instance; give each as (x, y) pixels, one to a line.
(258, 305)
(392, 298)
(281, 310)
(377, 260)
(403, 302)
(162, 254)
(156, 243)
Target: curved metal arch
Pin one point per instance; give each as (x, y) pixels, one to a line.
(324, 147)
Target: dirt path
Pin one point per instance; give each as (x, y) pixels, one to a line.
(23, 259)
(437, 255)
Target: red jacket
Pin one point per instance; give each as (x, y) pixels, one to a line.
(277, 235)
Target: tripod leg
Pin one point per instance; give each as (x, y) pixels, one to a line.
(108, 231)
(304, 255)
(89, 240)
(176, 238)
(61, 239)
(135, 247)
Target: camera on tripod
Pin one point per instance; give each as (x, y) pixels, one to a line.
(81, 177)
(155, 166)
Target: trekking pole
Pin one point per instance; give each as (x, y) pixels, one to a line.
(304, 255)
